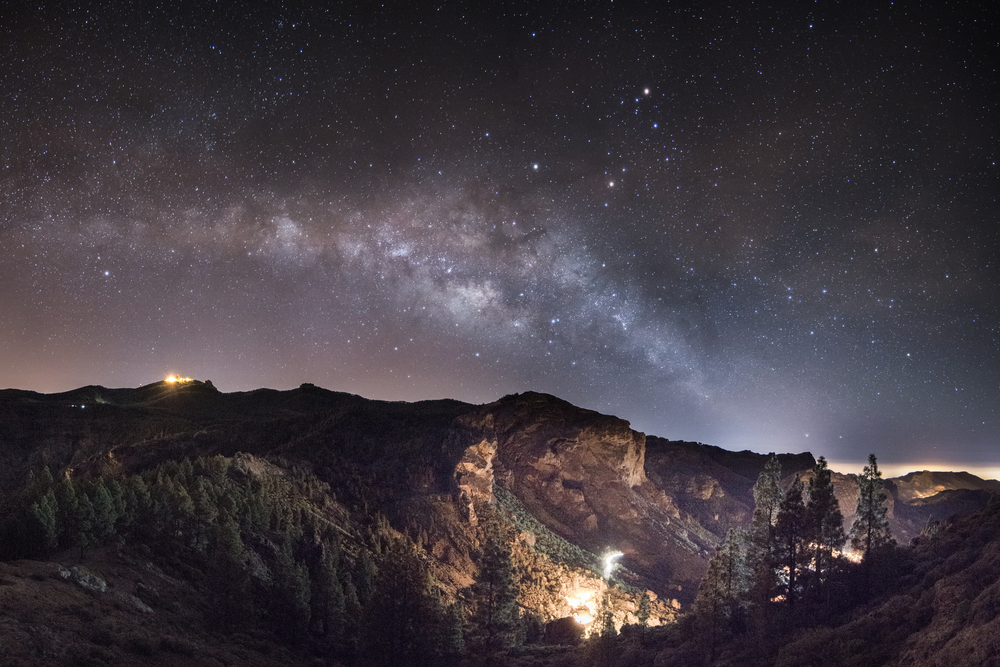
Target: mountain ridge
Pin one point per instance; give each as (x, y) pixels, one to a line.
(573, 484)
(702, 489)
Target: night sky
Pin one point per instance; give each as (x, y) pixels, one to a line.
(772, 228)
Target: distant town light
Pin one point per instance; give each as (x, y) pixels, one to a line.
(173, 379)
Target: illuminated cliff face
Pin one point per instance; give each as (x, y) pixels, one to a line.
(553, 590)
(585, 598)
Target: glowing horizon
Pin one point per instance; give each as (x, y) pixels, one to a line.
(894, 469)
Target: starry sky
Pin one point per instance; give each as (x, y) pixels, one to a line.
(759, 226)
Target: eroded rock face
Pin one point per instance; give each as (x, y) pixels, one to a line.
(582, 474)
(474, 476)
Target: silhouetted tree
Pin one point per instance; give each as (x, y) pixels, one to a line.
(43, 524)
(290, 593)
(402, 621)
(68, 507)
(365, 573)
(870, 531)
(495, 590)
(453, 645)
(825, 523)
(722, 595)
(136, 518)
(353, 611)
(329, 604)
(760, 539)
(229, 576)
(105, 513)
(790, 537)
(39, 482)
(83, 533)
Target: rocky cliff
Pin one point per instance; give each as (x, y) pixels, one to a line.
(582, 476)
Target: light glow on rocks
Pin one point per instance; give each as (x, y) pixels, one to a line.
(582, 604)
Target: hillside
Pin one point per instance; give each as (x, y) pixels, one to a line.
(309, 481)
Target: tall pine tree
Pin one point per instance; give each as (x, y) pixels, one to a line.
(290, 609)
(790, 538)
(44, 526)
(402, 622)
(825, 523)
(495, 590)
(760, 539)
(329, 605)
(721, 596)
(870, 531)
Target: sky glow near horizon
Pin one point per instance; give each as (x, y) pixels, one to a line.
(760, 228)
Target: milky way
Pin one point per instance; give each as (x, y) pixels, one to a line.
(766, 228)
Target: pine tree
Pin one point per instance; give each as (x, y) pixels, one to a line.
(39, 482)
(870, 531)
(401, 624)
(606, 618)
(290, 609)
(721, 596)
(790, 537)
(68, 506)
(454, 632)
(602, 642)
(495, 590)
(105, 514)
(353, 611)
(230, 579)
(329, 605)
(643, 609)
(44, 514)
(83, 535)
(365, 574)
(182, 511)
(206, 510)
(124, 515)
(825, 523)
(760, 538)
(137, 519)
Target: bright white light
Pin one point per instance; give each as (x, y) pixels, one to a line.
(582, 606)
(608, 564)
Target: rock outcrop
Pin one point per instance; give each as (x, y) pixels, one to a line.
(583, 476)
